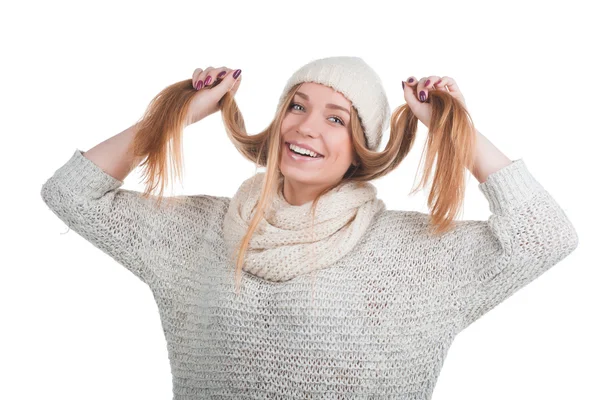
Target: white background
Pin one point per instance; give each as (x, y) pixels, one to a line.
(77, 325)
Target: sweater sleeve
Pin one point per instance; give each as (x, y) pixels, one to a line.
(130, 228)
(527, 234)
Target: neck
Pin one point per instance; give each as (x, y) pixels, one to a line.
(298, 193)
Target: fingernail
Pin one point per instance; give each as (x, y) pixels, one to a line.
(207, 80)
(402, 85)
(237, 73)
(221, 74)
(410, 80)
(422, 95)
(199, 85)
(427, 82)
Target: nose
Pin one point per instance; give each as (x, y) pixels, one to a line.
(310, 125)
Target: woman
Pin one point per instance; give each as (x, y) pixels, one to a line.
(349, 299)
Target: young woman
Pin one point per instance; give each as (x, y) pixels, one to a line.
(303, 284)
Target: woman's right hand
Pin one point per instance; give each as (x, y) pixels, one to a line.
(211, 84)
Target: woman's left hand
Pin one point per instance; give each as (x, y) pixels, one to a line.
(419, 106)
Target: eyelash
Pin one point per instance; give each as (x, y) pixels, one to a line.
(296, 104)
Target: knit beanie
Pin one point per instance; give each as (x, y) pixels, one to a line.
(358, 82)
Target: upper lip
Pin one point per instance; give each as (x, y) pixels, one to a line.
(304, 146)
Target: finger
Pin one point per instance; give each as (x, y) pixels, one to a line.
(236, 84)
(453, 89)
(227, 83)
(411, 81)
(421, 91)
(201, 77)
(205, 77)
(195, 76)
(216, 75)
(451, 84)
(235, 78)
(441, 84)
(429, 84)
(409, 93)
(431, 81)
(221, 72)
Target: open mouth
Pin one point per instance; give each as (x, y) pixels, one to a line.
(306, 156)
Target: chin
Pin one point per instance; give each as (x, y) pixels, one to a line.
(298, 175)
(304, 177)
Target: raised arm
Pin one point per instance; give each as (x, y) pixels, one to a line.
(113, 155)
(148, 240)
(527, 234)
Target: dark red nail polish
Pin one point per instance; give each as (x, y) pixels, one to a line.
(410, 80)
(237, 73)
(402, 85)
(422, 95)
(427, 82)
(207, 80)
(221, 74)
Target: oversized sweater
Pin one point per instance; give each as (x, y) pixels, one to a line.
(376, 324)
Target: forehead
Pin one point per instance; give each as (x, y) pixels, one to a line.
(319, 91)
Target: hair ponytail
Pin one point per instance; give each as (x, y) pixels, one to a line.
(450, 144)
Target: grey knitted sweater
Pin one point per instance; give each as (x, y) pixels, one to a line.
(381, 320)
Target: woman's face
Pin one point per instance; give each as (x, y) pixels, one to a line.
(318, 117)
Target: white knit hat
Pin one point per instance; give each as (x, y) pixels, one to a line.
(361, 85)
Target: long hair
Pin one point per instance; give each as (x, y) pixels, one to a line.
(451, 137)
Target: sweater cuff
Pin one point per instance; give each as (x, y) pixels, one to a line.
(84, 178)
(509, 187)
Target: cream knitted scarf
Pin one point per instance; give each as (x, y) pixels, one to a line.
(285, 244)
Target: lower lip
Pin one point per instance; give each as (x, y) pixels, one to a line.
(298, 157)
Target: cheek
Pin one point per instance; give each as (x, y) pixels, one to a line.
(287, 121)
(345, 147)
(285, 128)
(341, 153)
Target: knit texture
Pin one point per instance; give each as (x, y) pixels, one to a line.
(382, 318)
(358, 82)
(287, 243)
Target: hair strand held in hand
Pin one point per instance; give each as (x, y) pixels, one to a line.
(450, 141)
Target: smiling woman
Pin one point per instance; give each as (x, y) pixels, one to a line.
(326, 109)
(385, 298)
(312, 127)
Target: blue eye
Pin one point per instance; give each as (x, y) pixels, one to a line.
(296, 104)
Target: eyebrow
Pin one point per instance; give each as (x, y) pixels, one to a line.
(329, 105)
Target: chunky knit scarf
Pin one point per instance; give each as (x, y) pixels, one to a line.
(285, 243)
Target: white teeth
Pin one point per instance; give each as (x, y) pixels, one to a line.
(303, 151)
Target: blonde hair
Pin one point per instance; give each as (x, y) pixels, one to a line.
(451, 137)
